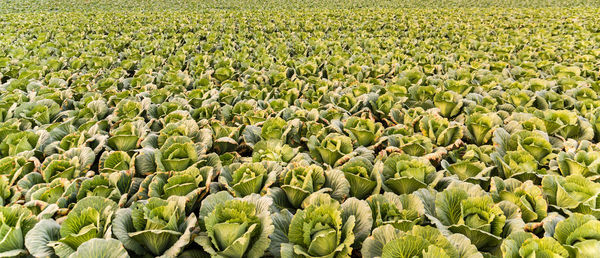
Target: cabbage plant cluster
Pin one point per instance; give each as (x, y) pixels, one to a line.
(11, 6)
(300, 133)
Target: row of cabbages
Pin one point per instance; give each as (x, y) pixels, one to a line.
(466, 221)
(460, 221)
(329, 133)
(430, 183)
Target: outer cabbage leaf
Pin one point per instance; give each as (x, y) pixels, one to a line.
(108, 248)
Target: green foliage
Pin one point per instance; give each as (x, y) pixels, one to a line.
(288, 128)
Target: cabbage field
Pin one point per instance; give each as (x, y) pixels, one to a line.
(289, 128)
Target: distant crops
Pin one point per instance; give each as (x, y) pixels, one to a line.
(208, 129)
(37, 6)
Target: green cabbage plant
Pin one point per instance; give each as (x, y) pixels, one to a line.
(16, 167)
(585, 163)
(116, 161)
(273, 129)
(440, 130)
(248, 178)
(127, 136)
(331, 148)
(235, 227)
(524, 244)
(15, 223)
(90, 218)
(415, 145)
(187, 186)
(7, 193)
(418, 241)
(362, 130)
(38, 112)
(401, 211)
(566, 124)
(472, 171)
(177, 154)
(115, 187)
(518, 164)
(154, 227)
(60, 192)
(273, 150)
(526, 195)
(448, 102)
(573, 193)
(324, 228)
(129, 109)
(18, 142)
(363, 179)
(299, 182)
(481, 126)
(404, 174)
(466, 209)
(71, 164)
(579, 234)
(536, 143)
